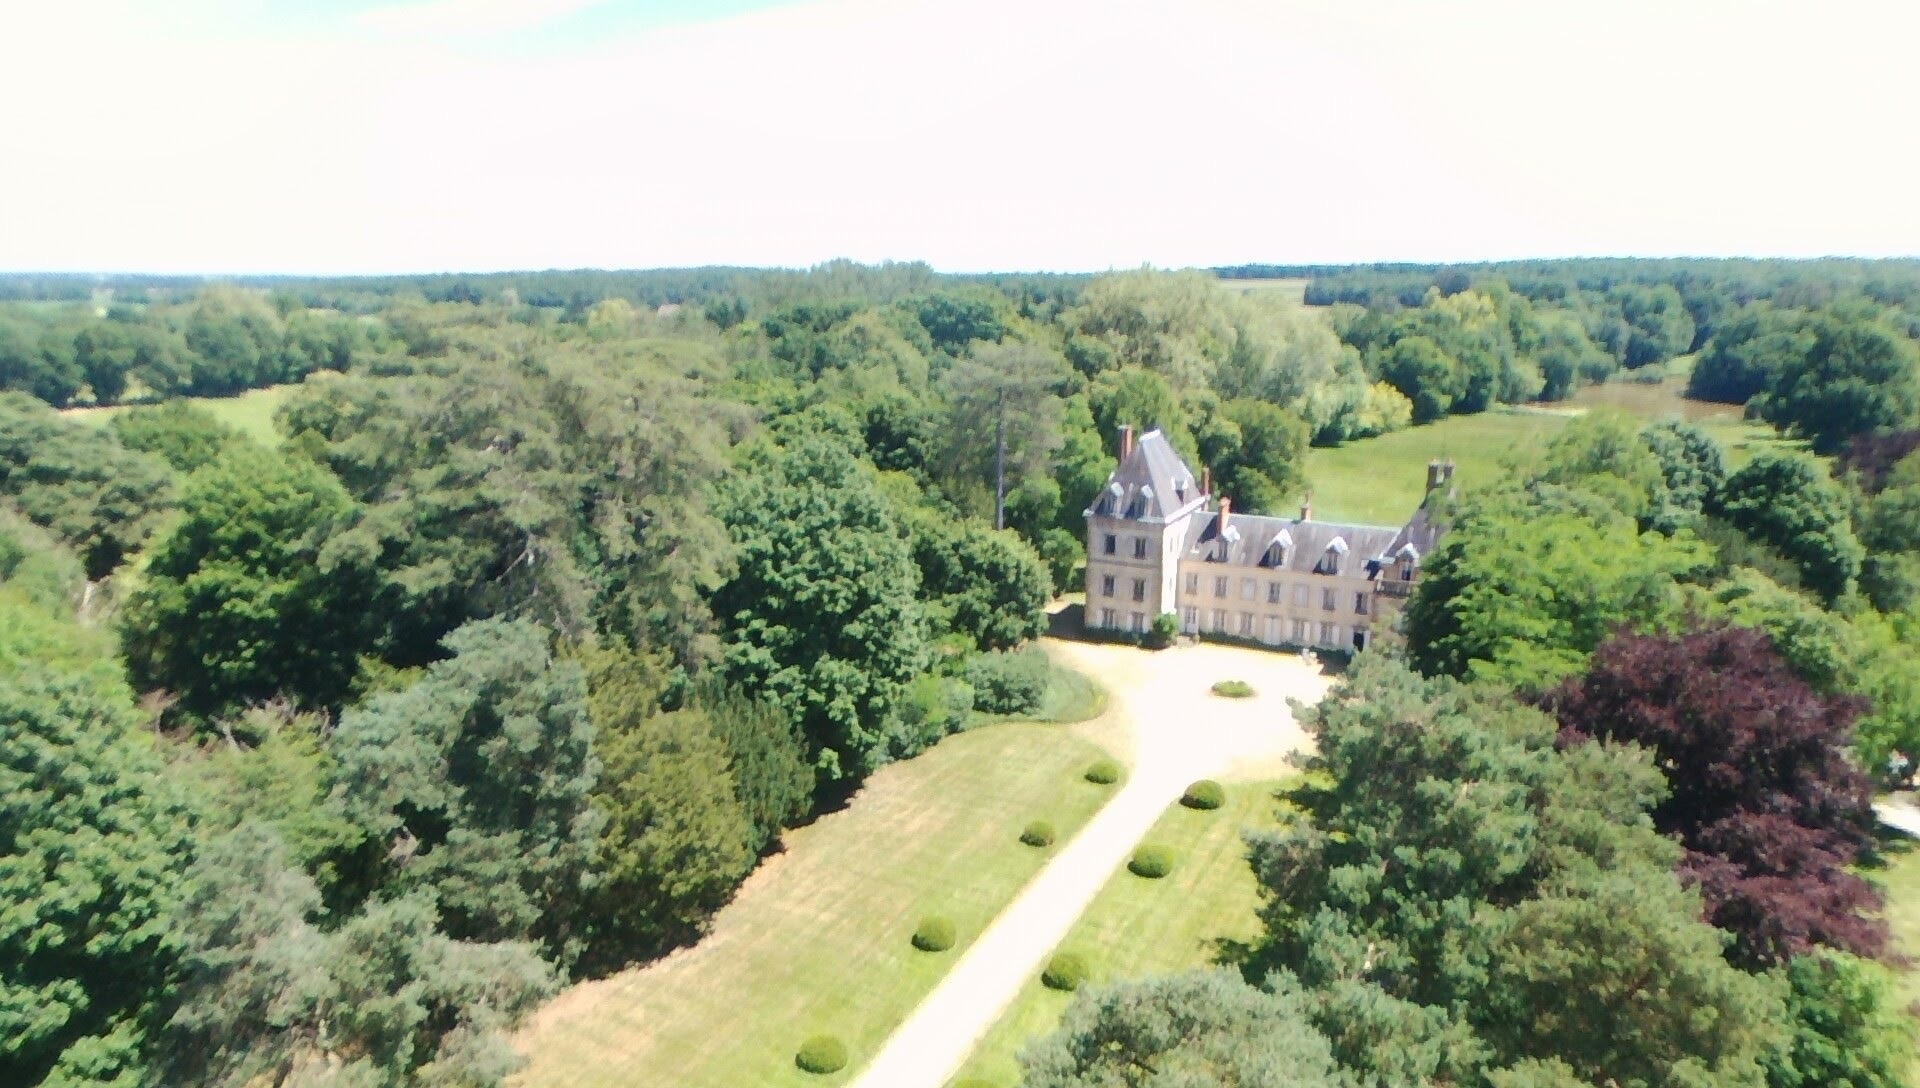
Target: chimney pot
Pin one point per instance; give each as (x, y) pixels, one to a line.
(1206, 481)
(1306, 508)
(1126, 440)
(1226, 512)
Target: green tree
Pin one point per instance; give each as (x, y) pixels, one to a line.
(179, 432)
(1460, 898)
(1200, 1027)
(382, 999)
(1694, 469)
(823, 616)
(1857, 374)
(986, 585)
(1257, 453)
(1011, 392)
(250, 597)
(100, 499)
(1140, 399)
(26, 366)
(772, 775)
(1521, 593)
(677, 840)
(1791, 503)
(93, 841)
(478, 779)
(1425, 374)
(1848, 1030)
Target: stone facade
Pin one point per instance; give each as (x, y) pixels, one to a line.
(1157, 542)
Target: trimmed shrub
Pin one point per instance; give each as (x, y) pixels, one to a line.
(1065, 972)
(932, 707)
(1166, 628)
(822, 1054)
(934, 935)
(1233, 689)
(1008, 683)
(1151, 862)
(1038, 833)
(1204, 794)
(1104, 772)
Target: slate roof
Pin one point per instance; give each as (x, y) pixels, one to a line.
(1152, 484)
(1421, 534)
(1250, 538)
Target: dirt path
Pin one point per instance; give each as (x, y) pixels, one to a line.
(1172, 731)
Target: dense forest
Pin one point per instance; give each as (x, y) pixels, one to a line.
(563, 594)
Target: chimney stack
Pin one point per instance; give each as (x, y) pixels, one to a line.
(1306, 508)
(1434, 479)
(1126, 440)
(1206, 481)
(1226, 514)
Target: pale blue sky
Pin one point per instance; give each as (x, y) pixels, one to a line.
(334, 136)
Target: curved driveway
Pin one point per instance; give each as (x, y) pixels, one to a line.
(1170, 730)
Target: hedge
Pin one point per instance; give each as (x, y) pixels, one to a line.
(1233, 689)
(1008, 683)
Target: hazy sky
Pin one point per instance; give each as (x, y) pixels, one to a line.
(332, 136)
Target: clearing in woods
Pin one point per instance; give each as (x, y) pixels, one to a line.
(250, 413)
(1380, 481)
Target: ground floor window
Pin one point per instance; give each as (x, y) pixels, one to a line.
(1219, 620)
(1246, 624)
(1359, 638)
(1329, 634)
(1190, 619)
(1273, 628)
(1138, 622)
(1106, 617)
(1300, 631)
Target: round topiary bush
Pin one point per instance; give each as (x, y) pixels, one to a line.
(1104, 772)
(1038, 833)
(1152, 862)
(1233, 689)
(934, 935)
(822, 1054)
(1204, 794)
(1065, 971)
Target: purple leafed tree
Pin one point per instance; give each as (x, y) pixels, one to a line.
(1764, 798)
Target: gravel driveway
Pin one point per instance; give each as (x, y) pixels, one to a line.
(1170, 730)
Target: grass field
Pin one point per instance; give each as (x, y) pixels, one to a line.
(1140, 927)
(817, 941)
(1899, 883)
(1380, 481)
(250, 413)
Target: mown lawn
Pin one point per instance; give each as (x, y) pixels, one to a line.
(250, 413)
(818, 940)
(1899, 883)
(1141, 927)
(1380, 481)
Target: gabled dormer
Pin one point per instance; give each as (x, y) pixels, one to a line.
(1334, 558)
(1278, 551)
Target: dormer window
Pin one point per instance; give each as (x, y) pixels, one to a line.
(1277, 550)
(1409, 557)
(1332, 558)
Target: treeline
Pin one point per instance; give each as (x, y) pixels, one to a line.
(1605, 822)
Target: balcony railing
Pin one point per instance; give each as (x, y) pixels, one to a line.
(1394, 589)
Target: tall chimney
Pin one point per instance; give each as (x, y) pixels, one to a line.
(1306, 508)
(1206, 481)
(1226, 514)
(1435, 475)
(1126, 440)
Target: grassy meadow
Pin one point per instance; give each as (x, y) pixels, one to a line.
(817, 940)
(1380, 481)
(250, 413)
(1137, 927)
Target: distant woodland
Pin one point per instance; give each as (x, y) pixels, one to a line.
(562, 594)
